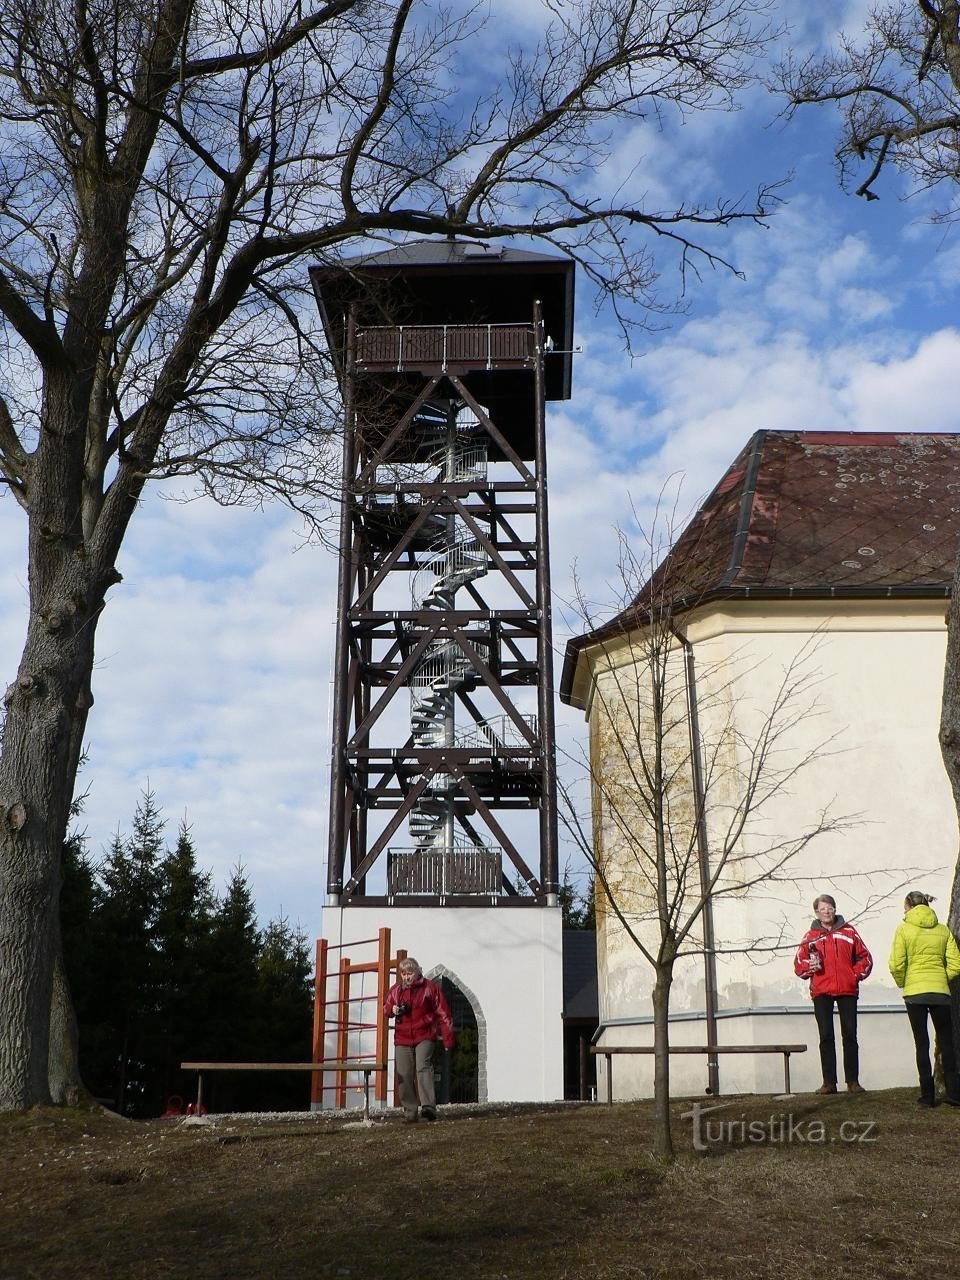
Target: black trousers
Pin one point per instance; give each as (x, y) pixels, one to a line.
(943, 1025)
(847, 1008)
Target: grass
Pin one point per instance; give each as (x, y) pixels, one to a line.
(498, 1193)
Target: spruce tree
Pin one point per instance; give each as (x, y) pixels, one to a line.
(79, 895)
(126, 970)
(164, 971)
(285, 988)
(184, 915)
(233, 1027)
(577, 910)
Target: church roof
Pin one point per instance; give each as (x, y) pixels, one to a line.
(814, 515)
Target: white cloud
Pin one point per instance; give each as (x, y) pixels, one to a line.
(917, 392)
(211, 682)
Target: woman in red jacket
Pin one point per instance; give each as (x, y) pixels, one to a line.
(832, 956)
(421, 1015)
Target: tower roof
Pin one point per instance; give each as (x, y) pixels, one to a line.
(442, 252)
(448, 282)
(813, 515)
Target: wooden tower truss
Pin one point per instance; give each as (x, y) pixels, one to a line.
(443, 787)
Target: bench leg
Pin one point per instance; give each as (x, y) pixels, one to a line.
(786, 1073)
(366, 1094)
(609, 1057)
(199, 1092)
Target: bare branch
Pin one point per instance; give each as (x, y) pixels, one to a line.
(898, 85)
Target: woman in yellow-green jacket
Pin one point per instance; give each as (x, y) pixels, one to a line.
(924, 959)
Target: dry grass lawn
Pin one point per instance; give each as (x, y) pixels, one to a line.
(863, 1186)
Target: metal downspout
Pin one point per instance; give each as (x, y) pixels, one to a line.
(703, 860)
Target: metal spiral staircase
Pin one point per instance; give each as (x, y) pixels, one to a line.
(445, 856)
(459, 559)
(441, 859)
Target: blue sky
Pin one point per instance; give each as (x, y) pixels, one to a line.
(213, 658)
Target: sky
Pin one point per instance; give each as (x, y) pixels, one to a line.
(213, 666)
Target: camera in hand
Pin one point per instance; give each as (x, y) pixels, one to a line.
(402, 1009)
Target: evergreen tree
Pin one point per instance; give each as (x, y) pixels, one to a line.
(588, 916)
(285, 984)
(577, 910)
(184, 913)
(285, 989)
(126, 968)
(164, 971)
(73, 980)
(79, 895)
(232, 977)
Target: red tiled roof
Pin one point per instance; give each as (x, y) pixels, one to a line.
(815, 514)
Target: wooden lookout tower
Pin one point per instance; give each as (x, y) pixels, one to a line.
(443, 819)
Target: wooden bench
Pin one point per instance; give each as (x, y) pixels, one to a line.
(785, 1049)
(368, 1069)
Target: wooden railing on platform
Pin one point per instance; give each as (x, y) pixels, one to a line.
(462, 346)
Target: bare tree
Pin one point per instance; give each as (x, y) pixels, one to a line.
(164, 168)
(686, 768)
(898, 84)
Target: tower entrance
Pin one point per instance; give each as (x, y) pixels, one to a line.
(459, 1075)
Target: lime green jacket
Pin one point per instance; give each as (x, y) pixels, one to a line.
(924, 956)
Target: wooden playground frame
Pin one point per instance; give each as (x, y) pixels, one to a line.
(341, 1023)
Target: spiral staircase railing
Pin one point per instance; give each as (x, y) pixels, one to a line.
(439, 861)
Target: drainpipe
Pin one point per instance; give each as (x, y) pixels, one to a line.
(703, 860)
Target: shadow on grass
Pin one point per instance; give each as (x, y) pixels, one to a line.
(539, 1193)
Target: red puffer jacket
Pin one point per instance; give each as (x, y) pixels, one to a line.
(426, 1013)
(844, 959)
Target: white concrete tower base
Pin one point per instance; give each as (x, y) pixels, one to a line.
(508, 962)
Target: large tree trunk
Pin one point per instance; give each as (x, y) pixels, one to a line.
(46, 711)
(662, 1137)
(950, 750)
(953, 920)
(63, 1074)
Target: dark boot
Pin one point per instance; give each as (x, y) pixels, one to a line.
(952, 1081)
(928, 1097)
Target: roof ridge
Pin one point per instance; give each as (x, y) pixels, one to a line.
(745, 513)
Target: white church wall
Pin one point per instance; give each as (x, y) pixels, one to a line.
(880, 670)
(507, 961)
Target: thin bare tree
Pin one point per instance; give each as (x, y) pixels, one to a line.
(686, 766)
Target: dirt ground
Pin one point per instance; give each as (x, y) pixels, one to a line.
(761, 1187)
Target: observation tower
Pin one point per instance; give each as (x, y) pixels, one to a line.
(443, 816)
